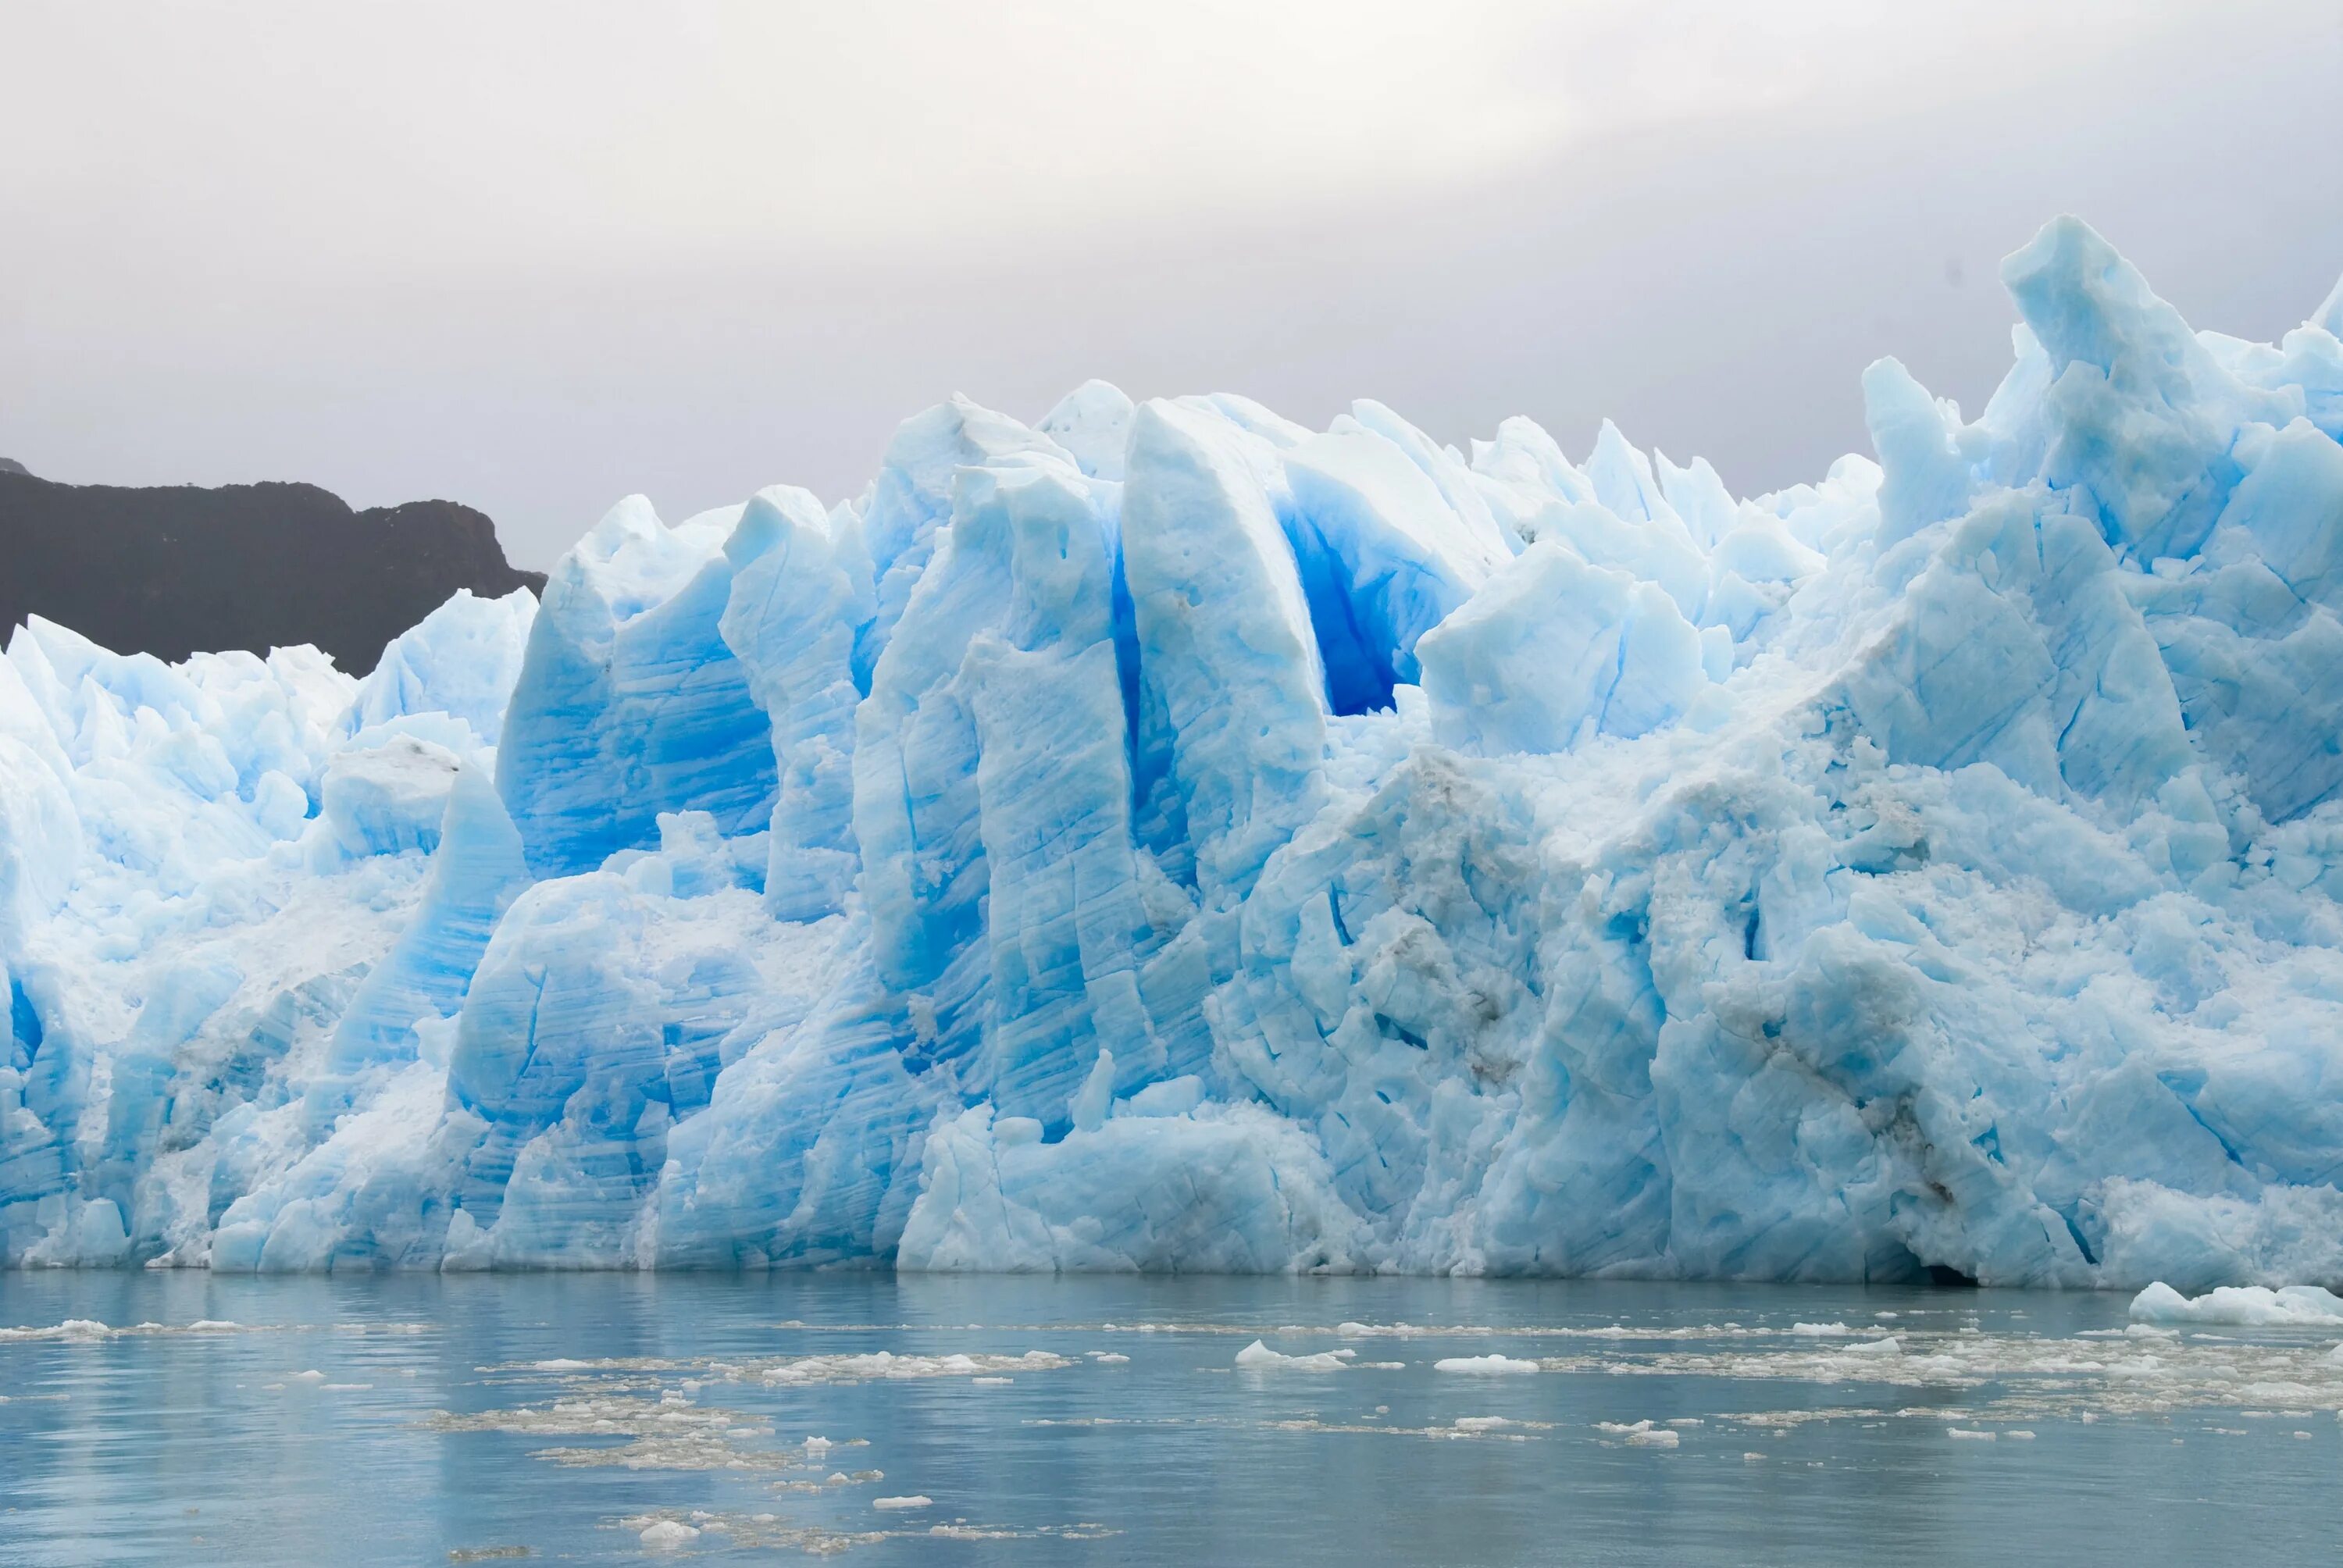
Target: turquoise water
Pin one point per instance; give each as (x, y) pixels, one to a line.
(409, 1421)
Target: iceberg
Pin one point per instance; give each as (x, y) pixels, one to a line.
(1161, 836)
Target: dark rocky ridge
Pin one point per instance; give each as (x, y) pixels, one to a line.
(174, 570)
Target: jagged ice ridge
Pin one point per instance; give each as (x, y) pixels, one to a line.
(1164, 837)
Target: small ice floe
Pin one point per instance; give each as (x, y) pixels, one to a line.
(70, 1329)
(1890, 1346)
(1110, 1358)
(1485, 1366)
(667, 1535)
(889, 1366)
(916, 1500)
(313, 1377)
(1641, 1433)
(1477, 1422)
(990, 1382)
(1821, 1331)
(1970, 1435)
(1259, 1357)
(2241, 1306)
(817, 1445)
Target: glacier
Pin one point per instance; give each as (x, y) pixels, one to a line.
(1164, 836)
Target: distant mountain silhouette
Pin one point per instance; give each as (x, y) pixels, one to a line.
(10, 465)
(171, 571)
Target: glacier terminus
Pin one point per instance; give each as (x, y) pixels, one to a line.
(1164, 838)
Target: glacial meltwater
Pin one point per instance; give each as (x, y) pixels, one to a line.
(181, 1417)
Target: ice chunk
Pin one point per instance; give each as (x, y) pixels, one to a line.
(799, 596)
(1553, 650)
(2244, 1306)
(1225, 638)
(629, 702)
(462, 659)
(1383, 558)
(1259, 1357)
(1093, 423)
(427, 973)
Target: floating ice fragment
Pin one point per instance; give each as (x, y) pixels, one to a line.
(1259, 1357)
(1890, 1346)
(1488, 1365)
(2246, 1306)
(1641, 1433)
(667, 1535)
(914, 1500)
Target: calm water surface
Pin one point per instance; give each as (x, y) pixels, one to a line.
(593, 1418)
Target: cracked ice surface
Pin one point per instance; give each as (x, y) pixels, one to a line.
(1162, 837)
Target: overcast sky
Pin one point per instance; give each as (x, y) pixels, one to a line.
(533, 256)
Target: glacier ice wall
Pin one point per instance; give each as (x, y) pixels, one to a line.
(1162, 837)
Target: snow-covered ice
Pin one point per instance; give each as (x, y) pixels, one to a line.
(1164, 836)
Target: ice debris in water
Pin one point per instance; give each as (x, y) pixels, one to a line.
(1160, 836)
(1486, 1366)
(2244, 1306)
(1641, 1433)
(1890, 1346)
(1259, 1357)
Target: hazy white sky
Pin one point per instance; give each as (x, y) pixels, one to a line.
(535, 255)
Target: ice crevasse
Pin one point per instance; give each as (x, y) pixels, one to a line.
(1161, 836)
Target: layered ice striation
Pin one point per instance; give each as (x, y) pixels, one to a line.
(1162, 837)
